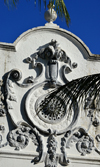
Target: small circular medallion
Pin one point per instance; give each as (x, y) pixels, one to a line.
(53, 112)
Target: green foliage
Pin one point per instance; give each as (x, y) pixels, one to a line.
(60, 7)
(61, 10)
(11, 2)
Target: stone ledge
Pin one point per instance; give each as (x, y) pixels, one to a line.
(7, 47)
(31, 155)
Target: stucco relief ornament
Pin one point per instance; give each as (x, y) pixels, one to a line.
(3, 144)
(98, 138)
(97, 148)
(85, 145)
(92, 107)
(2, 106)
(51, 54)
(51, 158)
(20, 137)
(26, 98)
(80, 138)
(54, 54)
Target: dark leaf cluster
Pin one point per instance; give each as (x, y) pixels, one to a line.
(74, 91)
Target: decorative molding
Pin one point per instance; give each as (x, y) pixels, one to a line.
(85, 145)
(2, 103)
(56, 122)
(53, 54)
(92, 107)
(83, 141)
(5, 144)
(19, 138)
(54, 117)
(7, 47)
(51, 157)
(2, 145)
(2, 128)
(11, 96)
(43, 118)
(96, 122)
(34, 64)
(98, 138)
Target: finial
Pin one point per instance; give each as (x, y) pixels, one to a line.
(50, 15)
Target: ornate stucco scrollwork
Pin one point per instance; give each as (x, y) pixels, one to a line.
(85, 145)
(2, 104)
(16, 74)
(98, 138)
(52, 112)
(34, 64)
(92, 107)
(53, 54)
(13, 75)
(96, 122)
(2, 145)
(84, 142)
(2, 128)
(97, 148)
(52, 158)
(19, 138)
(63, 157)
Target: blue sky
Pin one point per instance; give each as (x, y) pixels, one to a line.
(84, 14)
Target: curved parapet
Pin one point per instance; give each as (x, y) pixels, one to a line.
(41, 75)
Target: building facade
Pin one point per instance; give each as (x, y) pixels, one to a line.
(40, 123)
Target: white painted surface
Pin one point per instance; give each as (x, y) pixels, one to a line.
(13, 56)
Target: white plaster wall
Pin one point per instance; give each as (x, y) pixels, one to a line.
(25, 46)
(30, 42)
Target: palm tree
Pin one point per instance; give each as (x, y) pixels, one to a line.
(60, 7)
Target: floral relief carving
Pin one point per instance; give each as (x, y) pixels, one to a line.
(19, 138)
(83, 141)
(85, 145)
(51, 157)
(53, 54)
(47, 105)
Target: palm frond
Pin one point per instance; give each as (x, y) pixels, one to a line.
(11, 2)
(73, 91)
(62, 11)
(44, 1)
(60, 7)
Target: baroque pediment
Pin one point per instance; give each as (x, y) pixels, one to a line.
(50, 97)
